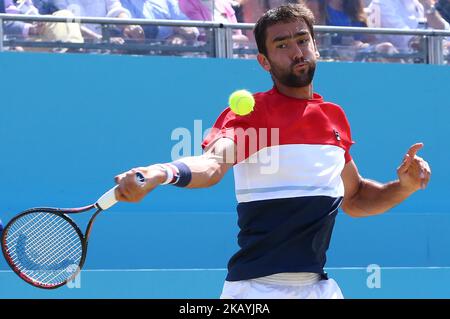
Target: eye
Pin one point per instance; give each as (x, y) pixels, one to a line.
(303, 41)
(282, 46)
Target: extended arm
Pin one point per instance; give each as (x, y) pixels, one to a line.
(206, 170)
(364, 197)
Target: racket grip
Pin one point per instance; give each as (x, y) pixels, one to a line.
(109, 198)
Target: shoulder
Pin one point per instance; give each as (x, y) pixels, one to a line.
(330, 106)
(255, 118)
(335, 111)
(266, 98)
(263, 96)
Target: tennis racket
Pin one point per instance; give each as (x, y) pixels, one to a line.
(45, 247)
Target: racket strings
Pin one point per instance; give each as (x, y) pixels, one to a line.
(23, 222)
(47, 224)
(18, 237)
(38, 243)
(46, 266)
(45, 247)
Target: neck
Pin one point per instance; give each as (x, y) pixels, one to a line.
(304, 93)
(336, 4)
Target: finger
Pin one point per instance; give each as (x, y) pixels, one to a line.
(422, 180)
(129, 188)
(424, 174)
(133, 188)
(425, 180)
(417, 172)
(416, 168)
(121, 176)
(427, 167)
(405, 164)
(118, 178)
(419, 163)
(121, 190)
(414, 149)
(119, 195)
(420, 171)
(128, 185)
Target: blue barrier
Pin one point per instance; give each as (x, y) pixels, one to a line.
(69, 123)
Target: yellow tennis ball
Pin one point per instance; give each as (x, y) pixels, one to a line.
(241, 102)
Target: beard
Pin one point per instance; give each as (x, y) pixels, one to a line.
(290, 78)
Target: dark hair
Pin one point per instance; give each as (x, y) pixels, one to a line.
(355, 10)
(282, 14)
(443, 7)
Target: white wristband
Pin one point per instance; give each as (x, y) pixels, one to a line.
(169, 174)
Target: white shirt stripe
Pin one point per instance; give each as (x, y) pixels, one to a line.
(286, 171)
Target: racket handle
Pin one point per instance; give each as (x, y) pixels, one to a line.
(109, 198)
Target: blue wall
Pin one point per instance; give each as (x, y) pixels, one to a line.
(69, 123)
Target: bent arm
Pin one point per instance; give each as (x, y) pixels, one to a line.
(364, 197)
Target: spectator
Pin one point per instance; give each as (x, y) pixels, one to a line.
(348, 13)
(237, 6)
(223, 12)
(202, 10)
(253, 9)
(338, 12)
(443, 7)
(17, 28)
(166, 10)
(433, 16)
(62, 32)
(406, 14)
(96, 8)
(42, 31)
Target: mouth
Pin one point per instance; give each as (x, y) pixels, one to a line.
(300, 66)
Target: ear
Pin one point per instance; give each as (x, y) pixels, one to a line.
(264, 62)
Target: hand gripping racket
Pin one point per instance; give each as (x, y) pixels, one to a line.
(45, 247)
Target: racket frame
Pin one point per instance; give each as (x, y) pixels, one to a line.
(63, 213)
(106, 201)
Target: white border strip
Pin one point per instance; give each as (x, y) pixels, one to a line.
(224, 269)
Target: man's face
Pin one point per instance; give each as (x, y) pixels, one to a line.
(291, 54)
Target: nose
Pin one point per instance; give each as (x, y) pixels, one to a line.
(297, 53)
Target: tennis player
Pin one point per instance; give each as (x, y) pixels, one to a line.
(286, 216)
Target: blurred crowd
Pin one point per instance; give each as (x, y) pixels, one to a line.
(401, 14)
